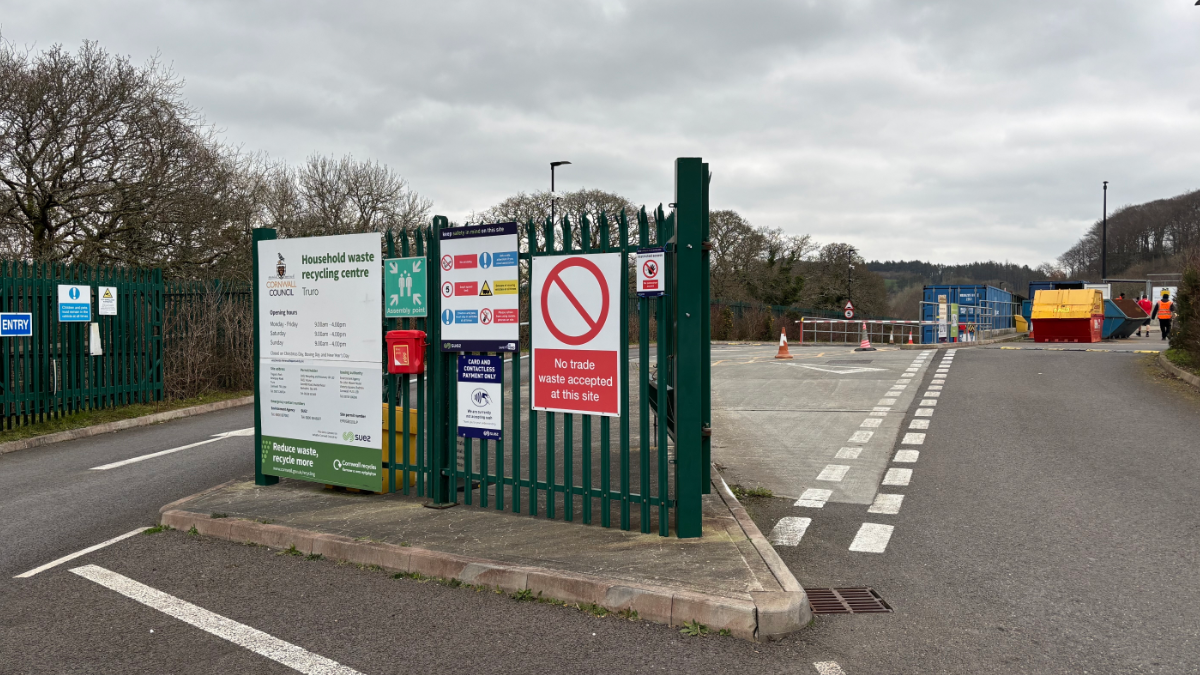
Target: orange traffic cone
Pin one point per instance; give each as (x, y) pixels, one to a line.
(783, 350)
(910, 337)
(865, 345)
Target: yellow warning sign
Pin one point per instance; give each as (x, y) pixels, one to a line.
(107, 293)
(486, 290)
(506, 287)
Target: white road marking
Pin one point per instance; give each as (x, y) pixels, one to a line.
(828, 668)
(871, 422)
(68, 558)
(926, 402)
(897, 477)
(933, 394)
(834, 473)
(160, 453)
(861, 436)
(924, 412)
(878, 413)
(889, 504)
(887, 401)
(871, 538)
(904, 380)
(814, 497)
(941, 381)
(935, 387)
(913, 438)
(789, 530)
(880, 408)
(942, 372)
(837, 370)
(239, 634)
(906, 456)
(918, 424)
(848, 453)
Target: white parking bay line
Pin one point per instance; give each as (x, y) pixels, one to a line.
(789, 531)
(861, 436)
(828, 668)
(814, 498)
(918, 424)
(897, 477)
(160, 453)
(848, 453)
(913, 438)
(833, 473)
(871, 538)
(68, 558)
(889, 504)
(239, 634)
(906, 456)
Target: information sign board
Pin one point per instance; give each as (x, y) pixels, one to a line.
(74, 303)
(16, 324)
(650, 272)
(480, 300)
(320, 311)
(108, 300)
(480, 396)
(404, 288)
(576, 332)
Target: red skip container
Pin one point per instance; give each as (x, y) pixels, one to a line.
(405, 351)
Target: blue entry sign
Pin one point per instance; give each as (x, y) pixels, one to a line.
(74, 303)
(16, 324)
(480, 396)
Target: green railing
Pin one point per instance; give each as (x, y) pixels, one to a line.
(53, 373)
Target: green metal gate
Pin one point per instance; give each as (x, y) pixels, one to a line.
(570, 466)
(53, 373)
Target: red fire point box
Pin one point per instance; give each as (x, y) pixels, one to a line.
(406, 351)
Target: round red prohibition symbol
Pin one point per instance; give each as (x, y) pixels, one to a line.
(594, 324)
(485, 316)
(650, 269)
(447, 289)
(447, 262)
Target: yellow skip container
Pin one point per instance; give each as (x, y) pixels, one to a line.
(1073, 303)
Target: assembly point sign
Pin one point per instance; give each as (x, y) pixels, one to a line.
(320, 355)
(576, 332)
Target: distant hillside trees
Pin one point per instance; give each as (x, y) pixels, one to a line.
(1142, 238)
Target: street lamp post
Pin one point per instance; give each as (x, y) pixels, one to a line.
(849, 267)
(1104, 238)
(553, 197)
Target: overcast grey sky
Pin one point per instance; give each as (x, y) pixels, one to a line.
(945, 130)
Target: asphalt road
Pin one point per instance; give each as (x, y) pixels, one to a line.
(1049, 526)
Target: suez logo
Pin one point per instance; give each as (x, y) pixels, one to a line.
(351, 436)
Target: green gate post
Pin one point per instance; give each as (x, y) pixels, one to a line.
(690, 174)
(440, 378)
(257, 235)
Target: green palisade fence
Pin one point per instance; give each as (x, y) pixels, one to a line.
(52, 373)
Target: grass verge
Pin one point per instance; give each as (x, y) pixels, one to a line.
(1184, 360)
(88, 418)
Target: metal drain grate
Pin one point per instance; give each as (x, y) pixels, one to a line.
(859, 600)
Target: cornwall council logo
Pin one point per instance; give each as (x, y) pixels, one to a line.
(281, 266)
(337, 465)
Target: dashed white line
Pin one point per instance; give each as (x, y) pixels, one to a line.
(833, 473)
(937, 382)
(878, 413)
(924, 412)
(72, 556)
(913, 438)
(814, 497)
(861, 436)
(239, 634)
(897, 477)
(926, 402)
(906, 456)
(935, 387)
(828, 668)
(933, 394)
(887, 401)
(871, 422)
(848, 453)
(884, 503)
(871, 538)
(918, 424)
(881, 408)
(789, 531)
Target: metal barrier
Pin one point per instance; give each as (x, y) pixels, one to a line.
(849, 331)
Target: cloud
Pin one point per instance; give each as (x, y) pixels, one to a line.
(943, 130)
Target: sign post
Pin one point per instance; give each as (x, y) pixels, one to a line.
(319, 309)
(404, 288)
(576, 334)
(479, 290)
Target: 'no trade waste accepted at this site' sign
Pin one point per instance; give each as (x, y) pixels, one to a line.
(576, 331)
